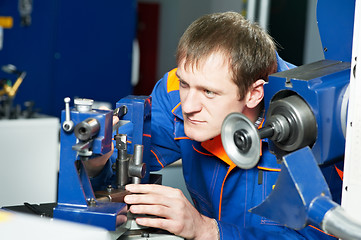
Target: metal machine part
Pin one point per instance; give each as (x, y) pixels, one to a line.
(11, 91)
(120, 111)
(338, 223)
(293, 123)
(87, 129)
(302, 187)
(91, 137)
(128, 166)
(241, 140)
(8, 91)
(122, 161)
(311, 199)
(301, 195)
(25, 10)
(83, 104)
(68, 124)
(9, 68)
(111, 195)
(290, 124)
(344, 107)
(137, 168)
(322, 85)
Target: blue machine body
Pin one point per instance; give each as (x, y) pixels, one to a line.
(138, 129)
(301, 195)
(322, 86)
(335, 23)
(76, 198)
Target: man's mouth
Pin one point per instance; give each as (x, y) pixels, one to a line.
(195, 121)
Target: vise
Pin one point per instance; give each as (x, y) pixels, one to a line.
(86, 134)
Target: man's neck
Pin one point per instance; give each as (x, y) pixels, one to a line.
(253, 113)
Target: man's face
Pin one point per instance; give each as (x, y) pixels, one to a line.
(208, 95)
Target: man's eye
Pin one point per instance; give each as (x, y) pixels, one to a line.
(209, 93)
(183, 84)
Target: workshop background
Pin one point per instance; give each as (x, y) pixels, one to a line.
(106, 50)
(85, 48)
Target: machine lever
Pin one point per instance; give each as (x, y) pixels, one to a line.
(68, 124)
(120, 111)
(82, 146)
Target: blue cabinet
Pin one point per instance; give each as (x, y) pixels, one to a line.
(77, 48)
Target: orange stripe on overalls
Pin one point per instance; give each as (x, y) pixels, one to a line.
(215, 147)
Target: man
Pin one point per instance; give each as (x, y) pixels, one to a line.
(223, 62)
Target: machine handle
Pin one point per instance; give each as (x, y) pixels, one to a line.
(68, 124)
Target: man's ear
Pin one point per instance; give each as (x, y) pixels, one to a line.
(256, 93)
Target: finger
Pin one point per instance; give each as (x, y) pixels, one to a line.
(115, 120)
(149, 198)
(120, 219)
(149, 188)
(157, 205)
(154, 210)
(161, 223)
(165, 224)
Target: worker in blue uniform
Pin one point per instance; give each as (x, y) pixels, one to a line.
(223, 62)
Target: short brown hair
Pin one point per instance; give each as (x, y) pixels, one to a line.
(250, 50)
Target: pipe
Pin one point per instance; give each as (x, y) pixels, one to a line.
(338, 223)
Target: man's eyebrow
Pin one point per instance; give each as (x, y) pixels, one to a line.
(176, 73)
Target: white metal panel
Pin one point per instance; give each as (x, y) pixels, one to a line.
(29, 153)
(351, 193)
(251, 10)
(264, 13)
(17, 226)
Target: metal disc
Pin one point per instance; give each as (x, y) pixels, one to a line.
(303, 125)
(243, 159)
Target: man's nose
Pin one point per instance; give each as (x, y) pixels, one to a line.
(192, 102)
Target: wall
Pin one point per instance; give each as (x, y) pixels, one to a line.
(313, 48)
(175, 17)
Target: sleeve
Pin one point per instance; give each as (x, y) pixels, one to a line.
(165, 150)
(282, 65)
(232, 231)
(104, 178)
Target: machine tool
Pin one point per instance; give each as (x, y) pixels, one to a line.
(8, 92)
(306, 111)
(303, 125)
(298, 102)
(88, 133)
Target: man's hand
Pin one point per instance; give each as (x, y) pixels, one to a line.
(175, 213)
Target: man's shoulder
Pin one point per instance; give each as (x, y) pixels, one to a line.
(172, 81)
(168, 84)
(283, 65)
(166, 94)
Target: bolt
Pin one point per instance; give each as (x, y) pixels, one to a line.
(145, 235)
